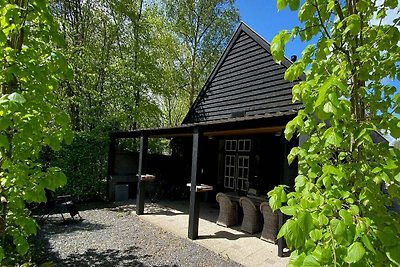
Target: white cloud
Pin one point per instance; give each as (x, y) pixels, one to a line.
(391, 14)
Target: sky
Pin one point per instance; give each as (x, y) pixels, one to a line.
(264, 18)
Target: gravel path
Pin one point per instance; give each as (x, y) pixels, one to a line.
(110, 236)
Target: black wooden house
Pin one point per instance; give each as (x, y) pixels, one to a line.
(232, 137)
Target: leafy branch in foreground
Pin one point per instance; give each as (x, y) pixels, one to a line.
(341, 206)
(30, 70)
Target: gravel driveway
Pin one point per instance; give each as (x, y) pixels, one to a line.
(115, 236)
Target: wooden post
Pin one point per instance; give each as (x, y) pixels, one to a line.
(194, 208)
(285, 173)
(289, 174)
(111, 163)
(141, 185)
(281, 241)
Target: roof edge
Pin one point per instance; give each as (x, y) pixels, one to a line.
(214, 71)
(243, 27)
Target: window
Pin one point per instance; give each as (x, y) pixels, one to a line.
(244, 145)
(230, 166)
(237, 163)
(230, 145)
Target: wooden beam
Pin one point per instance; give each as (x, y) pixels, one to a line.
(141, 185)
(194, 208)
(289, 174)
(272, 129)
(111, 163)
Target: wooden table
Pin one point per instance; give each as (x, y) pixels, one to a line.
(147, 177)
(202, 187)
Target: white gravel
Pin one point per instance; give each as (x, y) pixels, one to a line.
(110, 236)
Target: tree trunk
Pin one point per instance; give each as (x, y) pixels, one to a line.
(137, 93)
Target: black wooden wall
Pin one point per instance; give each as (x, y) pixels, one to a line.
(245, 82)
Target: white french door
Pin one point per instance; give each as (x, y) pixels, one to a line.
(237, 163)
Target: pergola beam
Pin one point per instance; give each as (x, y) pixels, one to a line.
(111, 162)
(141, 187)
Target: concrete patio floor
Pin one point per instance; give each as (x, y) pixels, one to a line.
(246, 249)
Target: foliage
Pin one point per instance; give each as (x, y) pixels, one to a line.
(31, 69)
(84, 162)
(137, 63)
(202, 29)
(116, 52)
(341, 203)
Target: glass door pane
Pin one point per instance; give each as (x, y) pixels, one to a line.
(230, 171)
(243, 171)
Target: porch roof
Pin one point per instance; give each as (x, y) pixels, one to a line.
(268, 123)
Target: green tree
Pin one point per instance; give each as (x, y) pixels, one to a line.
(114, 48)
(30, 72)
(341, 203)
(202, 29)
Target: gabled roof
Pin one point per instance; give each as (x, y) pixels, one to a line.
(245, 82)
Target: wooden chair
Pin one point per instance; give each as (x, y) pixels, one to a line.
(228, 211)
(270, 229)
(251, 216)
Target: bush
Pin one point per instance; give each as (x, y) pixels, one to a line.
(84, 162)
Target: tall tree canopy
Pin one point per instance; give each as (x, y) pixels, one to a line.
(203, 29)
(116, 50)
(341, 206)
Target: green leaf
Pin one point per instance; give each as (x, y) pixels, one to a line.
(289, 210)
(355, 253)
(367, 243)
(281, 4)
(21, 245)
(362, 6)
(353, 24)
(306, 12)
(300, 181)
(394, 255)
(5, 122)
(294, 4)
(334, 99)
(277, 196)
(323, 91)
(397, 177)
(294, 235)
(338, 227)
(4, 142)
(294, 71)
(346, 216)
(17, 98)
(1, 254)
(332, 137)
(28, 224)
(316, 235)
(278, 45)
(62, 118)
(329, 108)
(322, 219)
(310, 261)
(354, 210)
(293, 154)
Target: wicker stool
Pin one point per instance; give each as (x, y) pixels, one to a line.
(228, 211)
(270, 229)
(251, 216)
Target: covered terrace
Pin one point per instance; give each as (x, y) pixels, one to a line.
(266, 125)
